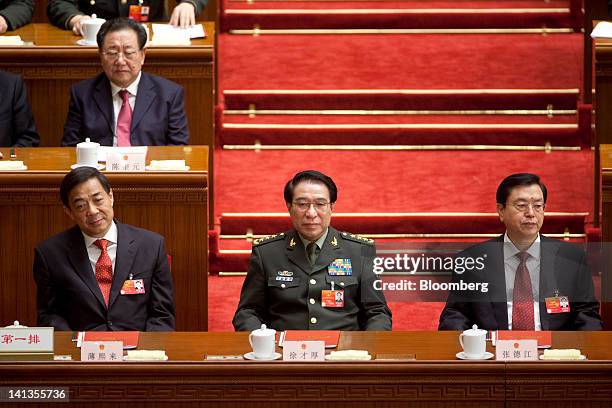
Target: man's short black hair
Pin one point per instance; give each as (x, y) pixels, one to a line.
(311, 175)
(119, 24)
(78, 176)
(518, 179)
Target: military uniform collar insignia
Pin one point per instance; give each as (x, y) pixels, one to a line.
(334, 242)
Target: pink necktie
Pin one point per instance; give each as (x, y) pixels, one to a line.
(124, 120)
(104, 270)
(522, 298)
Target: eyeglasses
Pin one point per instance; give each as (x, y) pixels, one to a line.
(114, 54)
(536, 207)
(319, 206)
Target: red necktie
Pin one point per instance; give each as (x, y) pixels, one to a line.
(104, 270)
(522, 298)
(124, 120)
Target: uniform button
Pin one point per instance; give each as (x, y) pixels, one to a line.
(312, 301)
(313, 282)
(313, 320)
(283, 285)
(341, 283)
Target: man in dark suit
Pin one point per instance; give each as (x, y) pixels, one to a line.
(70, 14)
(528, 276)
(101, 274)
(313, 277)
(15, 13)
(125, 106)
(17, 127)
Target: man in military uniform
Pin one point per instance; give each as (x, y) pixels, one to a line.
(295, 277)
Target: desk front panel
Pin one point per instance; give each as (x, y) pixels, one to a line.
(172, 204)
(56, 62)
(187, 380)
(435, 379)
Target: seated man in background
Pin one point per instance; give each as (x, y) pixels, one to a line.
(101, 274)
(17, 127)
(15, 13)
(124, 106)
(294, 277)
(526, 272)
(70, 14)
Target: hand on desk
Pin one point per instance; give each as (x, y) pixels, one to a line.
(3, 25)
(183, 15)
(76, 22)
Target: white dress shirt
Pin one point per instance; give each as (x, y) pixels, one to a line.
(93, 252)
(511, 263)
(117, 101)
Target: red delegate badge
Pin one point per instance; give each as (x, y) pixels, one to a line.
(133, 287)
(139, 13)
(557, 304)
(332, 298)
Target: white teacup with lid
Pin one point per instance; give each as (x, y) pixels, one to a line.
(262, 341)
(90, 28)
(87, 153)
(474, 342)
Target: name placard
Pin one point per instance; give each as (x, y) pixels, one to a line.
(26, 340)
(126, 159)
(102, 351)
(304, 351)
(516, 350)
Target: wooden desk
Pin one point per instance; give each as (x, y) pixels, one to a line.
(55, 62)
(435, 379)
(171, 204)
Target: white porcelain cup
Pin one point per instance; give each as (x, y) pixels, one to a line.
(473, 342)
(90, 28)
(262, 341)
(87, 153)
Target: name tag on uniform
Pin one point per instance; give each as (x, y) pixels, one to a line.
(557, 304)
(284, 276)
(332, 298)
(340, 267)
(133, 287)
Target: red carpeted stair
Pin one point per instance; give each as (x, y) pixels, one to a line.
(416, 126)
(244, 14)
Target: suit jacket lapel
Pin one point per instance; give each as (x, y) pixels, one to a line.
(144, 99)
(497, 278)
(103, 100)
(548, 280)
(296, 252)
(126, 249)
(77, 254)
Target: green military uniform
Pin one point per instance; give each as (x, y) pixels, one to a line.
(16, 12)
(61, 11)
(283, 290)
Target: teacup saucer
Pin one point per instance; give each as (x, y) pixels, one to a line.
(86, 43)
(461, 356)
(251, 356)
